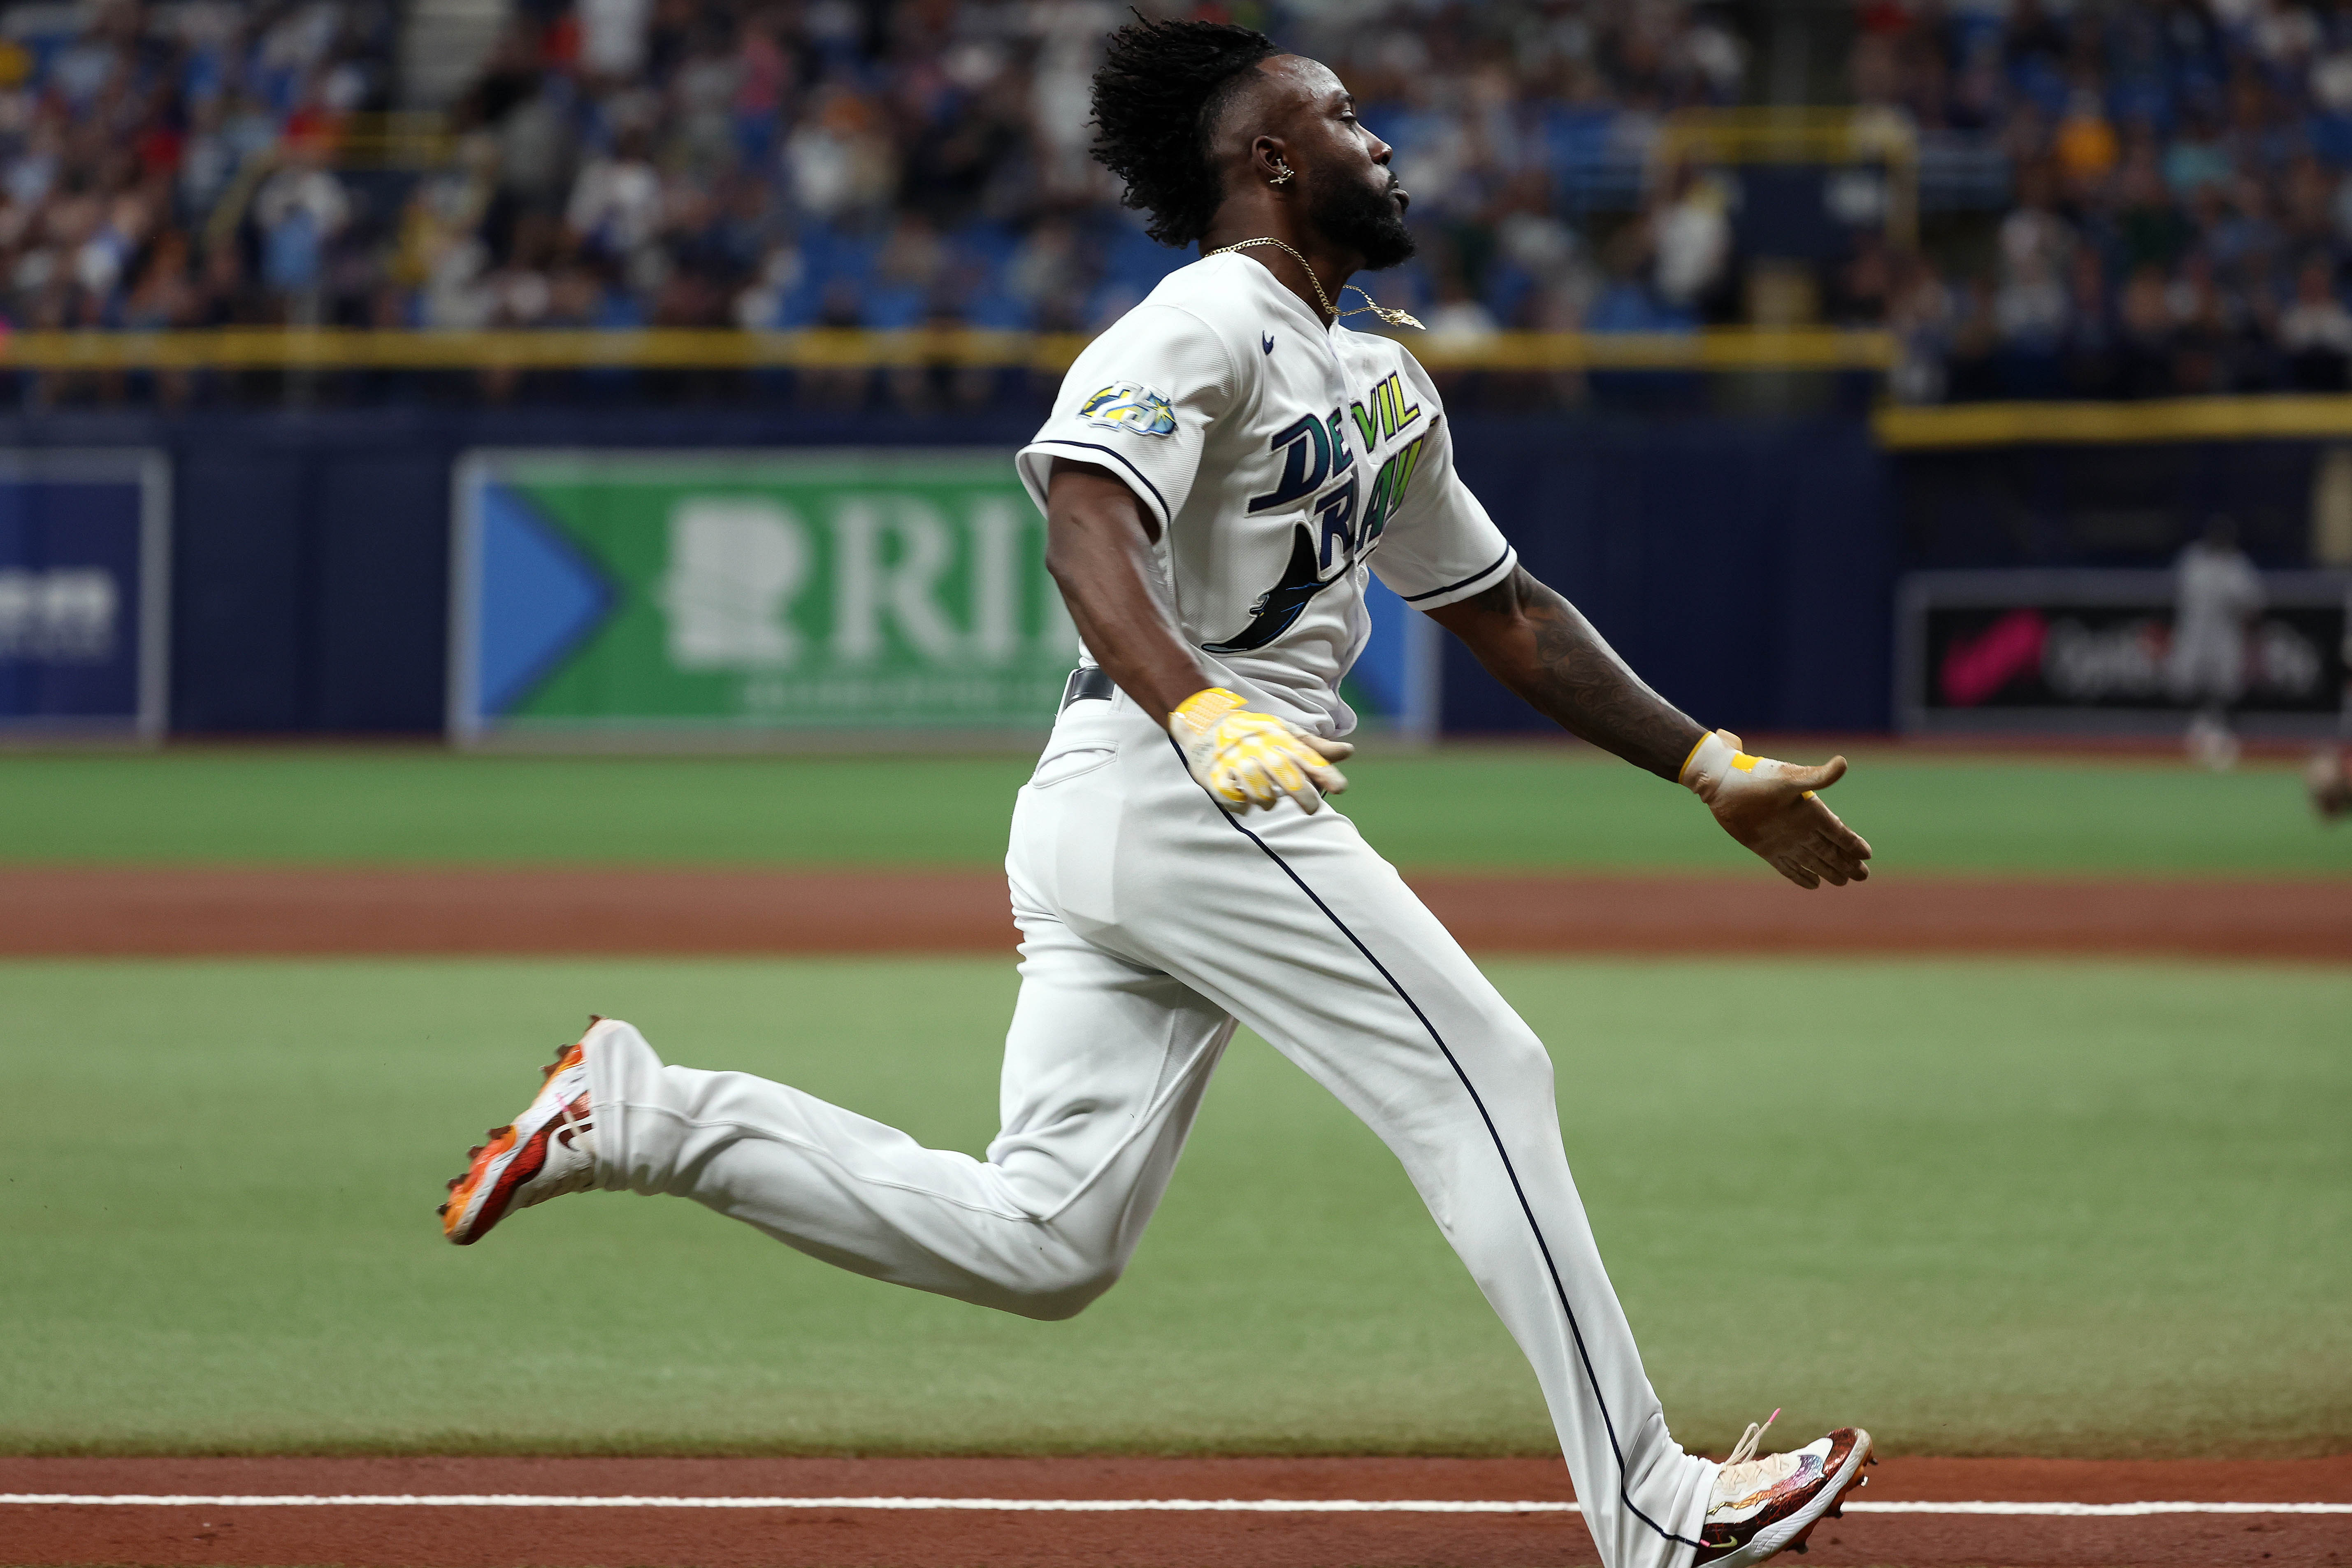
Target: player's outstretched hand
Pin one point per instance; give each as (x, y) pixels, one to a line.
(1246, 759)
(1771, 808)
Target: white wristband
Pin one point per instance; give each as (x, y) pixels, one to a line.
(1715, 755)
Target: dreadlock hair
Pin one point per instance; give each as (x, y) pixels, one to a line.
(1156, 98)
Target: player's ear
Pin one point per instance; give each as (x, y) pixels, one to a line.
(1270, 162)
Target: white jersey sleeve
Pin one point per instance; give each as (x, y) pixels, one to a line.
(1139, 402)
(1437, 545)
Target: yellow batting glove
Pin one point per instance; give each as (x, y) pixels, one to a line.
(1773, 809)
(1254, 759)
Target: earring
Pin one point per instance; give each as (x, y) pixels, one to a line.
(1283, 178)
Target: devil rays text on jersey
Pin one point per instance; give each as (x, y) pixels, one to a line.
(1312, 450)
(1276, 482)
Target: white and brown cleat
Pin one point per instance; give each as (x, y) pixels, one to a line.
(1760, 1507)
(550, 1150)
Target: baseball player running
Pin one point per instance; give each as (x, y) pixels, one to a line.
(1221, 470)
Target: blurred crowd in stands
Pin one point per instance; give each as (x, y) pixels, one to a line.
(2179, 218)
(2169, 211)
(767, 163)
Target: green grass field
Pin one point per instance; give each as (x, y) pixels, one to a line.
(1495, 809)
(1983, 1207)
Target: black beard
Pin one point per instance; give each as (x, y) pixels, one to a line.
(1356, 217)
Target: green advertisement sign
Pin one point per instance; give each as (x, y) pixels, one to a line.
(869, 588)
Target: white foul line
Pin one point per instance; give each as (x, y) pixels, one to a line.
(1076, 1505)
(2096, 1509)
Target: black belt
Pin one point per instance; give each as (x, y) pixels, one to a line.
(1089, 683)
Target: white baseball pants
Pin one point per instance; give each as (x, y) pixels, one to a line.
(1152, 919)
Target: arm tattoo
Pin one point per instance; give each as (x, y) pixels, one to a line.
(1542, 648)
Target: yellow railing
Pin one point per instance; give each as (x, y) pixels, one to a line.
(271, 348)
(397, 139)
(1716, 349)
(1793, 134)
(2253, 417)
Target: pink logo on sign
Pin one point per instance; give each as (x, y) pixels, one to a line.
(1975, 668)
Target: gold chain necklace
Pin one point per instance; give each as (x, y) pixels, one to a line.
(1394, 318)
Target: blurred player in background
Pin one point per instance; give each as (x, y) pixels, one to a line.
(2329, 776)
(2218, 594)
(1222, 470)
(2330, 780)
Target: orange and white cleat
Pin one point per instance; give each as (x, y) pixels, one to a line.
(1762, 1506)
(550, 1150)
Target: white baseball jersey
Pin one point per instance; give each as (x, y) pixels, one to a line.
(1281, 458)
(2218, 591)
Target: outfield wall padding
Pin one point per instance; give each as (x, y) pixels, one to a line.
(1746, 567)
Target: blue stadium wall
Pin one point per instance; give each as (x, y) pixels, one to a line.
(1746, 568)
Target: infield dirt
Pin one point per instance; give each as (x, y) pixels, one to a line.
(440, 1537)
(177, 911)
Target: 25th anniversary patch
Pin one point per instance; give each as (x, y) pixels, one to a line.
(1131, 406)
